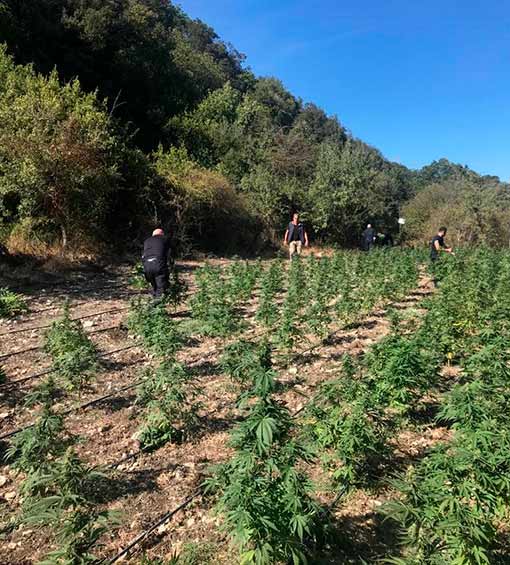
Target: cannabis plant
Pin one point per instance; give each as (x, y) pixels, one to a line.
(67, 501)
(73, 354)
(264, 496)
(349, 429)
(159, 333)
(11, 304)
(243, 360)
(212, 305)
(171, 411)
(450, 505)
(137, 279)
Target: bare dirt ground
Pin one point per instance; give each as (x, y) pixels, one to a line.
(146, 486)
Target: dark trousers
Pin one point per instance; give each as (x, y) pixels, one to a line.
(159, 282)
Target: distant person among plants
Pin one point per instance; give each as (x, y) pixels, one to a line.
(295, 236)
(368, 238)
(387, 240)
(156, 251)
(437, 246)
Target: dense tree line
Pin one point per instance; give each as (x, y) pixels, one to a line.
(116, 115)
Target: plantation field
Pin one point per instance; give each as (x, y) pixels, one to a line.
(338, 409)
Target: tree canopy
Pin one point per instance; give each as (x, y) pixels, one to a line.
(147, 114)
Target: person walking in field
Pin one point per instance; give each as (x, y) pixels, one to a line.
(437, 246)
(156, 252)
(368, 238)
(295, 236)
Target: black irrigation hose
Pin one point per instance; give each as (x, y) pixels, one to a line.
(76, 304)
(35, 348)
(33, 328)
(165, 518)
(80, 406)
(51, 370)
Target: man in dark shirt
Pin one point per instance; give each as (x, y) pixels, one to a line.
(295, 236)
(437, 245)
(368, 238)
(156, 250)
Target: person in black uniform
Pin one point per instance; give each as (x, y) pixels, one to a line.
(437, 245)
(368, 238)
(156, 251)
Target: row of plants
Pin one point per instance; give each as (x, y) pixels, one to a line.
(454, 506)
(168, 396)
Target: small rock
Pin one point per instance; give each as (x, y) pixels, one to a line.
(89, 324)
(3, 480)
(4, 415)
(10, 495)
(293, 371)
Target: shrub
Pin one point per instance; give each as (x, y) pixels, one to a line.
(73, 353)
(11, 304)
(264, 496)
(154, 326)
(171, 412)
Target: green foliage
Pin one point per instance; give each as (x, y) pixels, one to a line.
(67, 501)
(11, 304)
(33, 449)
(243, 360)
(137, 279)
(271, 284)
(402, 370)
(213, 305)
(177, 289)
(57, 152)
(344, 420)
(264, 496)
(73, 353)
(171, 412)
(153, 325)
(453, 501)
(476, 210)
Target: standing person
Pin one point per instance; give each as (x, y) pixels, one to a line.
(368, 238)
(437, 245)
(156, 251)
(295, 236)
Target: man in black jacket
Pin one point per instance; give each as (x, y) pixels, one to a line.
(368, 238)
(156, 250)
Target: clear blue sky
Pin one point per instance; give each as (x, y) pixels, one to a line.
(418, 79)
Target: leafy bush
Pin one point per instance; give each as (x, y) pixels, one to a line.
(137, 278)
(212, 305)
(402, 370)
(67, 502)
(57, 152)
(343, 420)
(73, 353)
(243, 360)
(264, 496)
(11, 304)
(154, 326)
(171, 412)
(453, 501)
